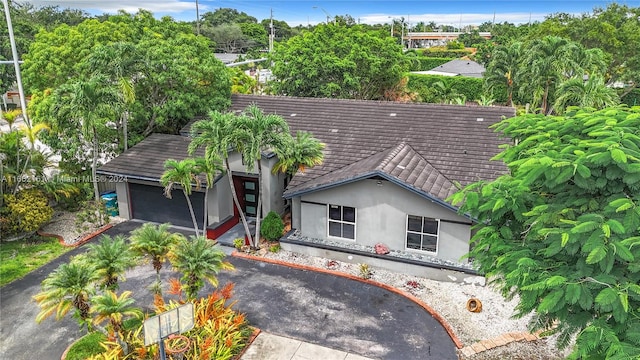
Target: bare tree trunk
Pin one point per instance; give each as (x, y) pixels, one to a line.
(206, 212)
(193, 215)
(237, 202)
(94, 166)
(259, 209)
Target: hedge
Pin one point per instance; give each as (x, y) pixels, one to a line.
(471, 88)
(424, 63)
(632, 98)
(439, 52)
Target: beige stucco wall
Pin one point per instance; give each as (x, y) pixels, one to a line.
(381, 215)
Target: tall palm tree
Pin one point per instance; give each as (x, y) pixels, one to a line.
(111, 257)
(219, 135)
(298, 153)
(593, 93)
(549, 61)
(209, 169)
(153, 242)
(185, 174)
(114, 309)
(90, 102)
(68, 287)
(198, 259)
(260, 132)
(504, 69)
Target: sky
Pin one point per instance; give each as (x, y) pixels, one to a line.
(295, 12)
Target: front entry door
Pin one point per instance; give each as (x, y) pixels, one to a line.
(250, 196)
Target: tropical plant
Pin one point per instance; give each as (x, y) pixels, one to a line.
(504, 69)
(560, 229)
(258, 133)
(68, 287)
(114, 309)
(155, 243)
(185, 174)
(592, 93)
(298, 153)
(219, 135)
(198, 259)
(28, 210)
(209, 169)
(111, 257)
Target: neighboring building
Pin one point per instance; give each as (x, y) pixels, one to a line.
(388, 170)
(456, 67)
(435, 38)
(227, 58)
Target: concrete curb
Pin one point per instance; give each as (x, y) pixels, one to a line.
(82, 241)
(392, 289)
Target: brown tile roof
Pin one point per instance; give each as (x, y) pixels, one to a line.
(146, 160)
(436, 144)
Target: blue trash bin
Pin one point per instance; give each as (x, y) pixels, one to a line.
(111, 202)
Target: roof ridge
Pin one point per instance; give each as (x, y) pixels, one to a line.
(393, 153)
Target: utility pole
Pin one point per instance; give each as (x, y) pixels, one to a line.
(197, 18)
(271, 33)
(16, 63)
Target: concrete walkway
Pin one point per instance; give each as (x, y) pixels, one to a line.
(272, 347)
(308, 307)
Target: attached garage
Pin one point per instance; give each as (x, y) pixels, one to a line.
(149, 203)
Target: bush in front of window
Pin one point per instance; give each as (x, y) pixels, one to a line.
(272, 226)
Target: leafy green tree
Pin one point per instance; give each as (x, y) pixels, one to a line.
(183, 173)
(111, 257)
(505, 69)
(560, 229)
(592, 93)
(337, 61)
(281, 29)
(198, 259)
(256, 35)
(223, 16)
(228, 38)
(68, 287)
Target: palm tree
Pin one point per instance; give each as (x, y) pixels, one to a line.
(209, 170)
(153, 242)
(185, 174)
(550, 60)
(198, 259)
(592, 93)
(109, 306)
(260, 132)
(68, 287)
(111, 257)
(504, 69)
(91, 102)
(298, 153)
(219, 135)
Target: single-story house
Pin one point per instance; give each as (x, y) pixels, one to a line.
(388, 170)
(456, 67)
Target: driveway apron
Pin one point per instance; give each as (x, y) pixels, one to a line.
(315, 307)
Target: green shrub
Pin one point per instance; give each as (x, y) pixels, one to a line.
(28, 210)
(238, 243)
(88, 345)
(455, 45)
(424, 63)
(632, 98)
(93, 214)
(442, 52)
(471, 88)
(274, 248)
(272, 226)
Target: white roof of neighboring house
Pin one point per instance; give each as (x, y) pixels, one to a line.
(458, 68)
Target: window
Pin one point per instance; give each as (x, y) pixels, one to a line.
(342, 222)
(422, 233)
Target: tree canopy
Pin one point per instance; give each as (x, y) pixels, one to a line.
(561, 228)
(338, 61)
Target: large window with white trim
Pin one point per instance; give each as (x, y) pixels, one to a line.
(342, 222)
(422, 233)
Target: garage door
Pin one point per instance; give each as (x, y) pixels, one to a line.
(149, 203)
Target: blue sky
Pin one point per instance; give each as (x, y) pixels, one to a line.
(294, 12)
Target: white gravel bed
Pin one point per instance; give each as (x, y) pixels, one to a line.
(449, 300)
(63, 223)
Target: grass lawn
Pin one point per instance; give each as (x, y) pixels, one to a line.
(87, 346)
(18, 258)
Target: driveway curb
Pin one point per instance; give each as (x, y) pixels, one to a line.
(392, 289)
(82, 241)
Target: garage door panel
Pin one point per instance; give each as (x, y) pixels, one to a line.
(149, 203)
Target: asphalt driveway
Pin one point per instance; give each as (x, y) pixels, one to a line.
(314, 307)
